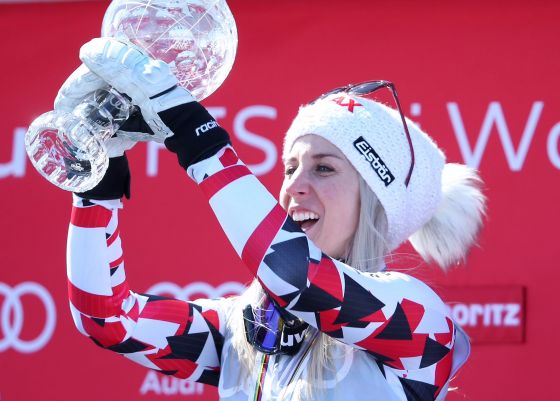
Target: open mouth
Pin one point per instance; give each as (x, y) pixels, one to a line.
(305, 220)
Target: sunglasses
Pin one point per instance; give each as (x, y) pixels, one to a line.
(266, 327)
(364, 89)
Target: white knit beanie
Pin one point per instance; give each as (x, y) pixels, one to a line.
(372, 137)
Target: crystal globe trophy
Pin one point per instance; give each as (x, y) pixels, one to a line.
(196, 38)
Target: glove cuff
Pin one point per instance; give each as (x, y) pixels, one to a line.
(197, 135)
(115, 182)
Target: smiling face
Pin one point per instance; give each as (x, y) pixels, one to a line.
(321, 193)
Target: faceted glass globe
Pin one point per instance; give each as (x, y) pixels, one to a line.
(197, 38)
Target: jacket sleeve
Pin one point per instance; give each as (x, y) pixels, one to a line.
(394, 317)
(172, 336)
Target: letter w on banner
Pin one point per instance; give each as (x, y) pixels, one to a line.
(489, 314)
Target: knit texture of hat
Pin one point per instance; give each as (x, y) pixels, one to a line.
(372, 137)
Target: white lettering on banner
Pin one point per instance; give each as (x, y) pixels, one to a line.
(13, 307)
(494, 116)
(472, 154)
(257, 141)
(552, 146)
(168, 385)
(152, 161)
(490, 314)
(16, 166)
(415, 110)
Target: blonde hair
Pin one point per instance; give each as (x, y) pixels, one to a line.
(366, 253)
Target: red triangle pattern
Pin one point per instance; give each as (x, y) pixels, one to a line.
(184, 367)
(395, 349)
(327, 319)
(211, 316)
(325, 276)
(414, 313)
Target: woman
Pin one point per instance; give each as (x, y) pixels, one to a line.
(322, 320)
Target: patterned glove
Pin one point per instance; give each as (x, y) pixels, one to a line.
(171, 112)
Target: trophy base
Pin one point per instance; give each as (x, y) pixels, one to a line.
(64, 151)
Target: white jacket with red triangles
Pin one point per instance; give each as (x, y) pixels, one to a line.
(396, 340)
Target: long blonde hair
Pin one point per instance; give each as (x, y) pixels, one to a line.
(366, 253)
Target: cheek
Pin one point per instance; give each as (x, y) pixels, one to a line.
(283, 197)
(346, 203)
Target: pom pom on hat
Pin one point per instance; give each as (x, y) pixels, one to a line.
(372, 137)
(449, 234)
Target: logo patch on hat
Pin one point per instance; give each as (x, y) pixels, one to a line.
(376, 163)
(351, 103)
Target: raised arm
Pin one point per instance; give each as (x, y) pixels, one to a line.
(171, 336)
(393, 316)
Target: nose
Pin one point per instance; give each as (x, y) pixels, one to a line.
(297, 184)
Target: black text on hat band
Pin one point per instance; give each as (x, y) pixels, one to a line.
(376, 163)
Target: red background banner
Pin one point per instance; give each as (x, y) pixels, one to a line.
(480, 77)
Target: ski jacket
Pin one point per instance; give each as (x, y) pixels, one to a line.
(395, 337)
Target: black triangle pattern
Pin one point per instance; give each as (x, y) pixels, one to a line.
(99, 321)
(358, 303)
(397, 328)
(187, 346)
(152, 298)
(289, 297)
(380, 358)
(128, 346)
(113, 270)
(433, 352)
(218, 340)
(417, 390)
(290, 260)
(96, 342)
(335, 334)
(189, 321)
(358, 324)
(315, 299)
(168, 372)
(381, 367)
(210, 377)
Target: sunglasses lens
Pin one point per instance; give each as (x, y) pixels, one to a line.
(367, 87)
(263, 326)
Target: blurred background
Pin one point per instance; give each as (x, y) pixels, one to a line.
(480, 76)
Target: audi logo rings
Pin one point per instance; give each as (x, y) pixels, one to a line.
(12, 306)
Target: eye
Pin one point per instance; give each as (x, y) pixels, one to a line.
(289, 170)
(322, 168)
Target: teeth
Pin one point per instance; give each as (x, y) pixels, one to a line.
(302, 216)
